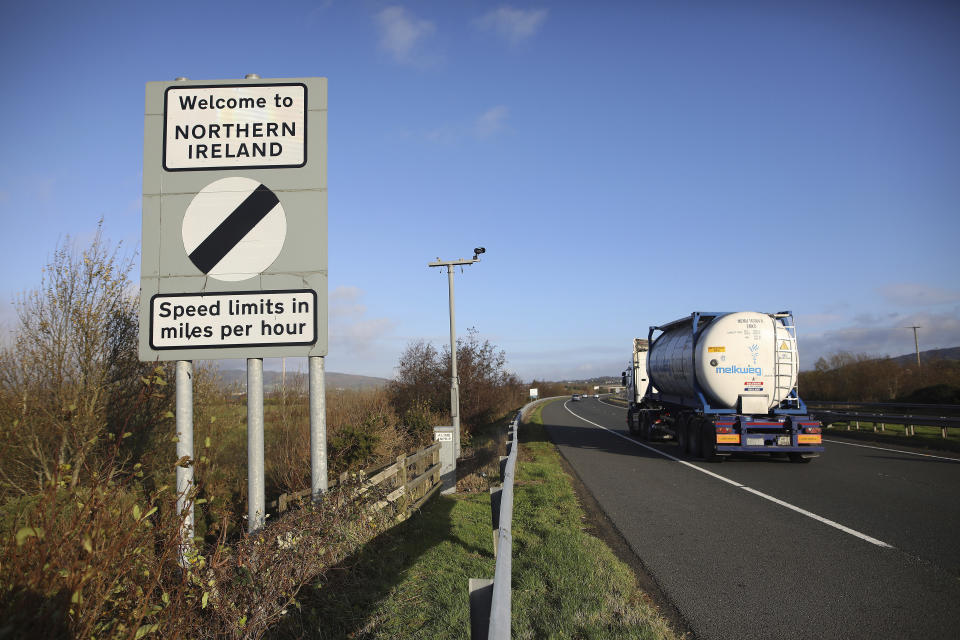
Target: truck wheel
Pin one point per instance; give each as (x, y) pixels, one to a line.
(630, 422)
(645, 431)
(708, 442)
(680, 426)
(693, 438)
(800, 458)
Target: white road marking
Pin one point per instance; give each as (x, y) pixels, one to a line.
(610, 404)
(909, 453)
(835, 525)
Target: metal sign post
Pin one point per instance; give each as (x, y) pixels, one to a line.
(184, 417)
(234, 244)
(318, 429)
(256, 497)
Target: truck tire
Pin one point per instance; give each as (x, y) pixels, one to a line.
(630, 427)
(693, 437)
(708, 442)
(800, 458)
(645, 426)
(680, 426)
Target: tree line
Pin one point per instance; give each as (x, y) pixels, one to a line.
(860, 378)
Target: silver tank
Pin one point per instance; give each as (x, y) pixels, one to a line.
(738, 354)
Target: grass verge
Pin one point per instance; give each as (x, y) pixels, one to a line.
(567, 583)
(411, 582)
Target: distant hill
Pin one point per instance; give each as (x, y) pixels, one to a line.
(332, 380)
(605, 380)
(953, 353)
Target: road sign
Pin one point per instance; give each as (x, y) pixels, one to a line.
(234, 229)
(227, 126)
(234, 252)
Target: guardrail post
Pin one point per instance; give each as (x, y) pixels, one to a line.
(495, 494)
(481, 597)
(448, 459)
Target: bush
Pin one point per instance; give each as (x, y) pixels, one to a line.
(72, 375)
(487, 391)
(103, 561)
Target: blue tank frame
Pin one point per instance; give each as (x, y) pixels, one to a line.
(700, 402)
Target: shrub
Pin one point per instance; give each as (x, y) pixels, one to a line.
(72, 374)
(487, 390)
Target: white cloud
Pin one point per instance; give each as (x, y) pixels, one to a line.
(353, 336)
(345, 302)
(491, 121)
(912, 294)
(401, 32)
(487, 124)
(444, 134)
(514, 25)
(346, 293)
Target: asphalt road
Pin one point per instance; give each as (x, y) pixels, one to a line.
(860, 543)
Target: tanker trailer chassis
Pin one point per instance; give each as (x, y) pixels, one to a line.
(714, 437)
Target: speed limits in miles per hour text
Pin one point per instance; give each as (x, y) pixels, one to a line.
(255, 318)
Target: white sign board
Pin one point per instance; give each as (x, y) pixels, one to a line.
(534, 393)
(234, 244)
(257, 318)
(235, 126)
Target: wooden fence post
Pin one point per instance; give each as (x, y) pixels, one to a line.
(402, 482)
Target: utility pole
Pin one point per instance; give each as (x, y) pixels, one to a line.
(454, 380)
(916, 342)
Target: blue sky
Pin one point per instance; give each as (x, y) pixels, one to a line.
(623, 163)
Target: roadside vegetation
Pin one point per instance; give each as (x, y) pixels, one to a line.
(846, 377)
(88, 524)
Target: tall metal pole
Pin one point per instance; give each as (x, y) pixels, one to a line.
(256, 497)
(184, 417)
(318, 428)
(454, 380)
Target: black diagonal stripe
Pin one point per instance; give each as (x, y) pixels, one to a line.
(233, 228)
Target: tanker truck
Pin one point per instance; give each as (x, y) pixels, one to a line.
(721, 383)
